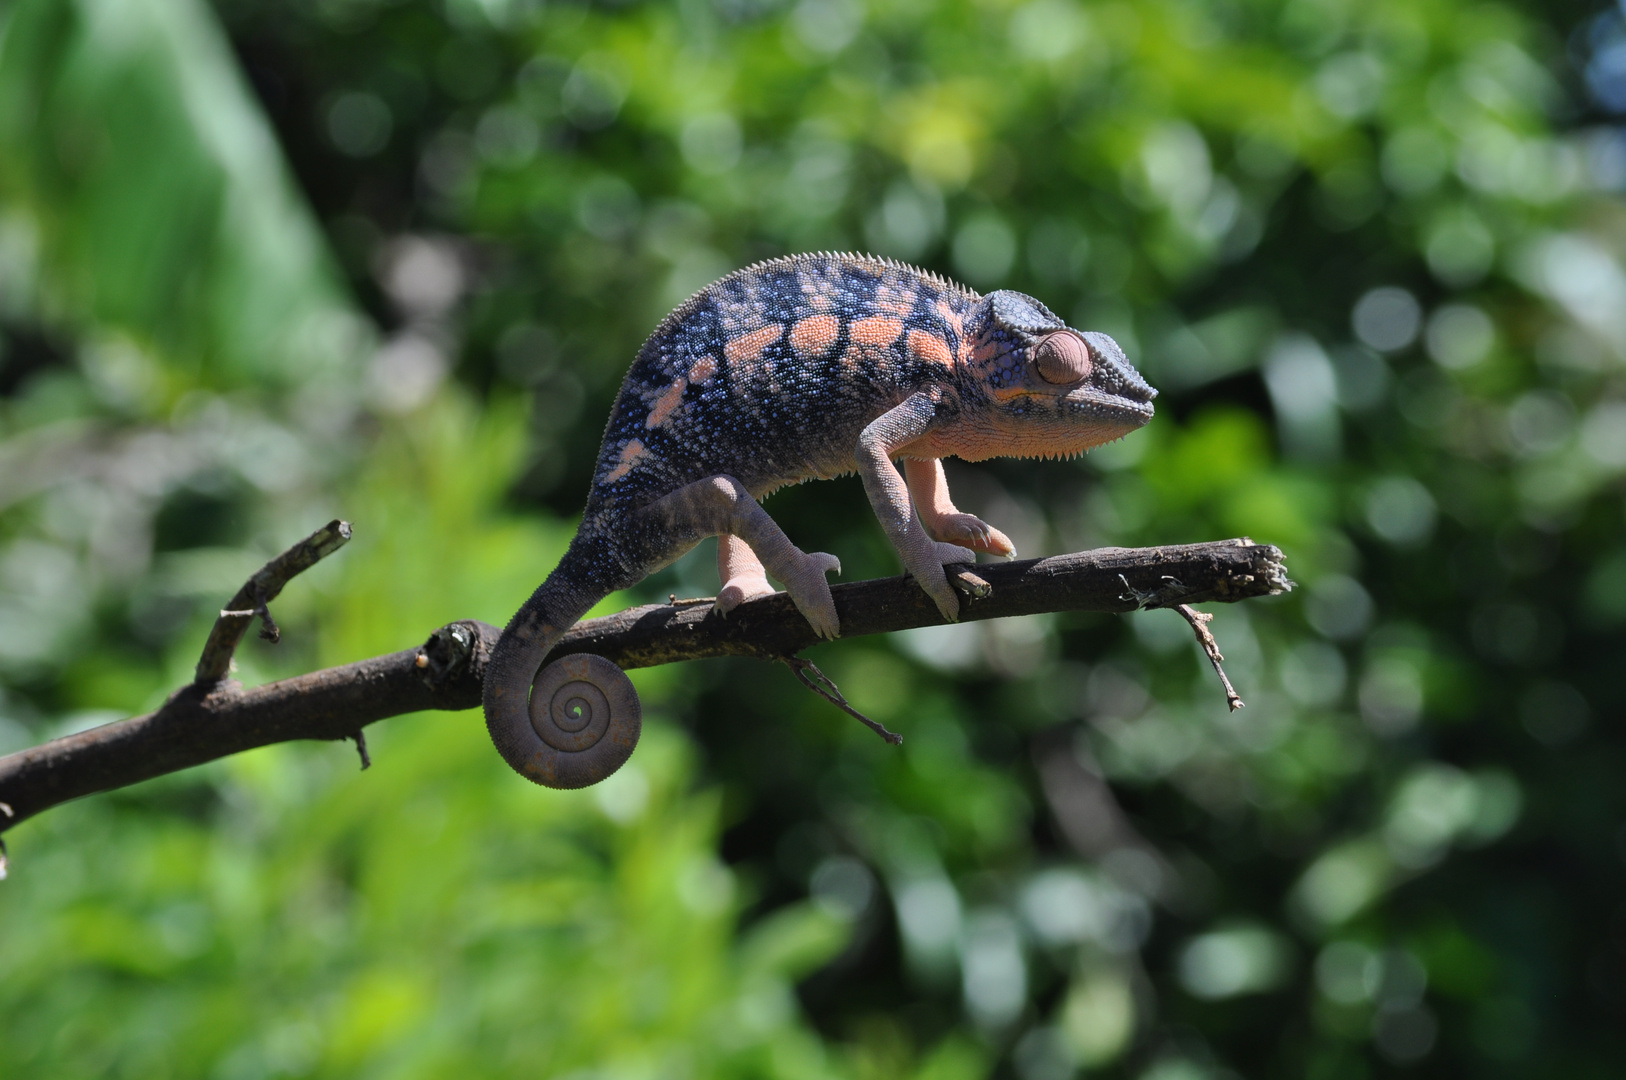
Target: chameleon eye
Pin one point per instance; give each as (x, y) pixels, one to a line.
(1062, 357)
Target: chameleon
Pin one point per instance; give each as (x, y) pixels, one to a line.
(800, 367)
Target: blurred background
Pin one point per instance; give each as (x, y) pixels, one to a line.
(262, 265)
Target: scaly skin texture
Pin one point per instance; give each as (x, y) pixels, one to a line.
(802, 367)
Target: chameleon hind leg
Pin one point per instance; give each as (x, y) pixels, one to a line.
(721, 506)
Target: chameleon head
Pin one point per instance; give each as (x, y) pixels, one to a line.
(1050, 389)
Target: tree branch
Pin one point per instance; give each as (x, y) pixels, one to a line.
(209, 720)
(257, 592)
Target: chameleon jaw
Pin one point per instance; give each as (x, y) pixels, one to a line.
(1089, 403)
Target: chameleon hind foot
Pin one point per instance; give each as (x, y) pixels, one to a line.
(745, 579)
(585, 719)
(721, 505)
(737, 591)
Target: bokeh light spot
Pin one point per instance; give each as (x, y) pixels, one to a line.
(1387, 319)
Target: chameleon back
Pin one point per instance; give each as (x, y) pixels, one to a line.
(769, 375)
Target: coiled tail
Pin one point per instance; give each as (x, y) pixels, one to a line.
(570, 723)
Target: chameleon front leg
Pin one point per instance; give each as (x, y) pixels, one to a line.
(942, 520)
(922, 556)
(721, 505)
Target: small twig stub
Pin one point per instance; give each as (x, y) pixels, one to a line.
(970, 583)
(1199, 621)
(269, 630)
(822, 685)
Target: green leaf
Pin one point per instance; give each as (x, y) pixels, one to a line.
(164, 210)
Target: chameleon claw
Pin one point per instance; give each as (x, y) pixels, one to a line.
(811, 593)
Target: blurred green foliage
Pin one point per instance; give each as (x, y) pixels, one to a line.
(1371, 253)
(158, 201)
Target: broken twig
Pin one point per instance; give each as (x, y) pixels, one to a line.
(257, 592)
(1199, 621)
(822, 685)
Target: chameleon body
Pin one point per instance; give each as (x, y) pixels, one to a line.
(796, 368)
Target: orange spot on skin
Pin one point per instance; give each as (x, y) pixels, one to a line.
(703, 369)
(931, 348)
(896, 298)
(986, 360)
(629, 457)
(666, 404)
(951, 319)
(876, 332)
(812, 337)
(984, 356)
(819, 293)
(748, 347)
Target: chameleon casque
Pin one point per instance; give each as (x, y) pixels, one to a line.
(795, 368)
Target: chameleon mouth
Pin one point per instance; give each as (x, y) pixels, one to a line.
(1088, 403)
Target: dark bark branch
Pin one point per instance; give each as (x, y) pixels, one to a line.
(205, 721)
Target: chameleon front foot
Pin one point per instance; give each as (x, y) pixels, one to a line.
(810, 590)
(931, 556)
(581, 725)
(970, 531)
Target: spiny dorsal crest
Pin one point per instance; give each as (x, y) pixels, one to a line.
(779, 262)
(861, 259)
